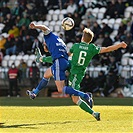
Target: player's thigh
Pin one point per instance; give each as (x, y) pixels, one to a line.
(48, 73)
(75, 80)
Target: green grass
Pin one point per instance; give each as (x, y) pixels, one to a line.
(50, 116)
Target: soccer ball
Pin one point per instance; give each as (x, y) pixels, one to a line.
(67, 23)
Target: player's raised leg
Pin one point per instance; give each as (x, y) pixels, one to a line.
(42, 84)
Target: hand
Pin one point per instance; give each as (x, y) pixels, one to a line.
(32, 25)
(123, 45)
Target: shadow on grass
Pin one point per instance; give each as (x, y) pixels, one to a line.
(32, 126)
(18, 126)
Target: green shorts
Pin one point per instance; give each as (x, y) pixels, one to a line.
(75, 80)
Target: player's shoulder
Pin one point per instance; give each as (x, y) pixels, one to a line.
(75, 44)
(92, 45)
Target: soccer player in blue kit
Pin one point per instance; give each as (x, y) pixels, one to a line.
(57, 49)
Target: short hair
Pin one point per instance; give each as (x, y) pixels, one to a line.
(87, 35)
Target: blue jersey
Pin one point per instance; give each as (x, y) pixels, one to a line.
(56, 46)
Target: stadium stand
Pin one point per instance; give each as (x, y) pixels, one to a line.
(53, 20)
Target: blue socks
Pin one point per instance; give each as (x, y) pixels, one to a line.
(69, 90)
(41, 85)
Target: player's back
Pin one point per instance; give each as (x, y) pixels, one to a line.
(82, 55)
(56, 46)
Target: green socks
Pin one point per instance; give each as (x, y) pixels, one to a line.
(83, 105)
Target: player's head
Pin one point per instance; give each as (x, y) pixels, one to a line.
(87, 35)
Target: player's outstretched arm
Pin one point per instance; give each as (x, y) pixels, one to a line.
(113, 47)
(41, 27)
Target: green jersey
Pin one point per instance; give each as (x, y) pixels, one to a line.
(82, 55)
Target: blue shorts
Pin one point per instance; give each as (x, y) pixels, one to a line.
(58, 68)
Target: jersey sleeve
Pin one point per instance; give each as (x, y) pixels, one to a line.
(47, 32)
(96, 49)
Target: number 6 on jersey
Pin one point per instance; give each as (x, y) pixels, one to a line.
(82, 56)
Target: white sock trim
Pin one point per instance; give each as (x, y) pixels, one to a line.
(79, 102)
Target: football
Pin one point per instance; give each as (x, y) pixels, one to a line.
(67, 23)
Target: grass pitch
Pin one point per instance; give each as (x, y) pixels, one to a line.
(48, 115)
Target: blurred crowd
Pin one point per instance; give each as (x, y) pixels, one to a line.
(22, 40)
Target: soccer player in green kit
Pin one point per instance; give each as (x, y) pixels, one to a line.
(82, 53)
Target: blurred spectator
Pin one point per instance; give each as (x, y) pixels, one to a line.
(71, 7)
(128, 39)
(80, 31)
(105, 29)
(107, 41)
(111, 77)
(22, 4)
(22, 67)
(77, 20)
(33, 33)
(81, 9)
(27, 45)
(9, 22)
(120, 8)
(10, 45)
(13, 75)
(16, 10)
(111, 9)
(34, 75)
(14, 31)
(24, 21)
(104, 59)
(19, 45)
(89, 16)
(5, 9)
(100, 81)
(121, 31)
(16, 21)
(89, 24)
(41, 11)
(128, 27)
(99, 40)
(23, 32)
(96, 30)
(78, 38)
(2, 44)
